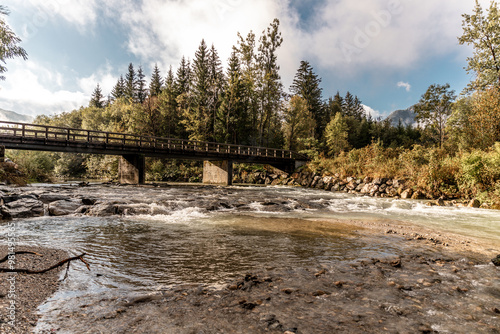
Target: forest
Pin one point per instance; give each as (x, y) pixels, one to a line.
(453, 151)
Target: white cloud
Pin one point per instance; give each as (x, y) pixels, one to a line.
(32, 89)
(404, 85)
(103, 77)
(172, 29)
(370, 111)
(82, 13)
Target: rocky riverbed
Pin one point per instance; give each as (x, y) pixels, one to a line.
(426, 281)
(437, 284)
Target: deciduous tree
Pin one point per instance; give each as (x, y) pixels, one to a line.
(482, 31)
(434, 109)
(9, 41)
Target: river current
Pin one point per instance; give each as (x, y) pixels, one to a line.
(188, 243)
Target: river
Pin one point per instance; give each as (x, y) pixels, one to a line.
(241, 229)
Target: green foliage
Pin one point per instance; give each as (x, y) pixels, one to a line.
(299, 123)
(306, 84)
(37, 166)
(9, 43)
(433, 111)
(96, 100)
(336, 134)
(483, 33)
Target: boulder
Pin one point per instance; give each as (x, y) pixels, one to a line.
(23, 208)
(418, 195)
(474, 204)
(51, 197)
(406, 194)
(64, 207)
(366, 188)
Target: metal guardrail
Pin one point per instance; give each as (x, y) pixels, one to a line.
(61, 134)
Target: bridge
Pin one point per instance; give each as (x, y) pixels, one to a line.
(217, 158)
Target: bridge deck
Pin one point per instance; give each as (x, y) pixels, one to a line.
(24, 136)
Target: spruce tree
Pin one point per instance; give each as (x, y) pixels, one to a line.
(199, 119)
(131, 84)
(183, 80)
(233, 125)
(156, 84)
(216, 86)
(119, 89)
(97, 99)
(141, 91)
(306, 84)
(168, 108)
(245, 51)
(271, 88)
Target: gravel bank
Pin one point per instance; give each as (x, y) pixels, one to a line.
(28, 291)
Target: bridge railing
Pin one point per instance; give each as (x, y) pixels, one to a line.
(67, 135)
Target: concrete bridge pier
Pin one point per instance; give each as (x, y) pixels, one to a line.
(132, 169)
(218, 172)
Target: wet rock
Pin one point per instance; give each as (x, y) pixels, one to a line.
(88, 201)
(64, 207)
(51, 197)
(474, 204)
(103, 210)
(23, 208)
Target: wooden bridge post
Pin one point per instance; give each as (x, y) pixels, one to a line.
(2, 153)
(132, 169)
(218, 172)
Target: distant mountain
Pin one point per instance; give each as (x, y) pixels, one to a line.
(11, 116)
(406, 117)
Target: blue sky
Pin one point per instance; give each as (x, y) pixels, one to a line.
(387, 52)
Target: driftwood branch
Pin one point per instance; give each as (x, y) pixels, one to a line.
(4, 259)
(28, 271)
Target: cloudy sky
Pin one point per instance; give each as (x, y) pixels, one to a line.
(387, 52)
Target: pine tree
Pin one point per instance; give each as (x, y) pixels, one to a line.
(156, 84)
(131, 84)
(199, 119)
(271, 88)
(250, 77)
(168, 108)
(119, 89)
(306, 84)
(216, 86)
(184, 77)
(232, 125)
(97, 99)
(141, 91)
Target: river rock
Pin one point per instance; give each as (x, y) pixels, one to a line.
(474, 204)
(23, 208)
(51, 197)
(406, 194)
(418, 195)
(64, 207)
(103, 210)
